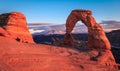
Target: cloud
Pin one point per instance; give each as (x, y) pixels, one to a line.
(108, 26)
(41, 23)
(112, 23)
(32, 31)
(35, 25)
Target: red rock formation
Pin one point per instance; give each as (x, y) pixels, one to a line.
(68, 39)
(97, 38)
(37, 57)
(16, 56)
(96, 35)
(14, 25)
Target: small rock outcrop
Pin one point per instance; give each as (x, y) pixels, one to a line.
(13, 25)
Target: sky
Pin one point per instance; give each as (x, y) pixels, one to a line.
(57, 11)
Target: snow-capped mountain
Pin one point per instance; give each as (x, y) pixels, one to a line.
(61, 29)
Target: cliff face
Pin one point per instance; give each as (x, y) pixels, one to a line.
(14, 25)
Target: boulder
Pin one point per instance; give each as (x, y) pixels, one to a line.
(14, 25)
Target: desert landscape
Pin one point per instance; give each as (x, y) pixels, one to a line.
(19, 52)
(59, 35)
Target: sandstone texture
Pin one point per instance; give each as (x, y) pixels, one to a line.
(14, 25)
(17, 56)
(96, 35)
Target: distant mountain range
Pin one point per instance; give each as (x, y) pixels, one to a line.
(37, 29)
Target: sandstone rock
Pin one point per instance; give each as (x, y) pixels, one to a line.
(38, 57)
(68, 39)
(3, 32)
(14, 25)
(97, 39)
(96, 35)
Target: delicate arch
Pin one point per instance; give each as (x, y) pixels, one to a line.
(96, 35)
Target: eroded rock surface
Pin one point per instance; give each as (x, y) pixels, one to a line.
(14, 25)
(97, 39)
(96, 35)
(15, 56)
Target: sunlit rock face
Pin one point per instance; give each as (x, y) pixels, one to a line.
(14, 25)
(97, 39)
(96, 35)
(16, 56)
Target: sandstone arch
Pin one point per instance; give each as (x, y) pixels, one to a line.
(96, 36)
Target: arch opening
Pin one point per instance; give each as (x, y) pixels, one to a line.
(80, 28)
(96, 35)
